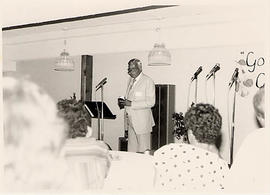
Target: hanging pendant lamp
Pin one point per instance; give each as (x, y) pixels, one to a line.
(159, 55)
(64, 62)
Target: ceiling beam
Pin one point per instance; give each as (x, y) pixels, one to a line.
(87, 17)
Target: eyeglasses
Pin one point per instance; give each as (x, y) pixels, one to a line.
(132, 69)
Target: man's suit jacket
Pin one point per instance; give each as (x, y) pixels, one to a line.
(142, 96)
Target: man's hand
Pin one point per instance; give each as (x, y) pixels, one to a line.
(127, 102)
(124, 102)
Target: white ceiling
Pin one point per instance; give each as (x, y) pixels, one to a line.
(189, 16)
(19, 12)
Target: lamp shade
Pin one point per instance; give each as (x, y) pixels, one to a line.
(64, 62)
(159, 56)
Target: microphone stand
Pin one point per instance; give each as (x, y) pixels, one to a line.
(195, 77)
(196, 89)
(214, 84)
(233, 123)
(102, 115)
(101, 123)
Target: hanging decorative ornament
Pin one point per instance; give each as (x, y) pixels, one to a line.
(248, 82)
(241, 62)
(244, 91)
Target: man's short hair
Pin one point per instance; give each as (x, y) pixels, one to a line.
(136, 62)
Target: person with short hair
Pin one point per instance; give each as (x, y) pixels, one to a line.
(259, 107)
(197, 166)
(139, 99)
(250, 171)
(33, 139)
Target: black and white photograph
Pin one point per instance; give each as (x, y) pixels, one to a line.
(135, 97)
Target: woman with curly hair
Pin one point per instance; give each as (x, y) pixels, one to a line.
(203, 123)
(196, 166)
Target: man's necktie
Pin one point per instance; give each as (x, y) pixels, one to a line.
(131, 85)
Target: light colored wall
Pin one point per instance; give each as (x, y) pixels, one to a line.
(1, 112)
(184, 63)
(59, 85)
(227, 26)
(193, 41)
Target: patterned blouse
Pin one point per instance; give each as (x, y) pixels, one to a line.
(184, 167)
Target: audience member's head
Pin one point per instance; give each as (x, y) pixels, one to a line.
(197, 166)
(203, 122)
(75, 116)
(33, 137)
(258, 103)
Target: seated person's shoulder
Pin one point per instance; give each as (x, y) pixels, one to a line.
(169, 148)
(84, 146)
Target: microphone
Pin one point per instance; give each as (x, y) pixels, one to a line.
(101, 83)
(234, 77)
(196, 73)
(213, 70)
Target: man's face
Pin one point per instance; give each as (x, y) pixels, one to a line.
(133, 70)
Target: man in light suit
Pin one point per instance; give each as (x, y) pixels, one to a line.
(139, 99)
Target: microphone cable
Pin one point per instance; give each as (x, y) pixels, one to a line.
(96, 102)
(205, 91)
(188, 96)
(228, 114)
(98, 112)
(214, 91)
